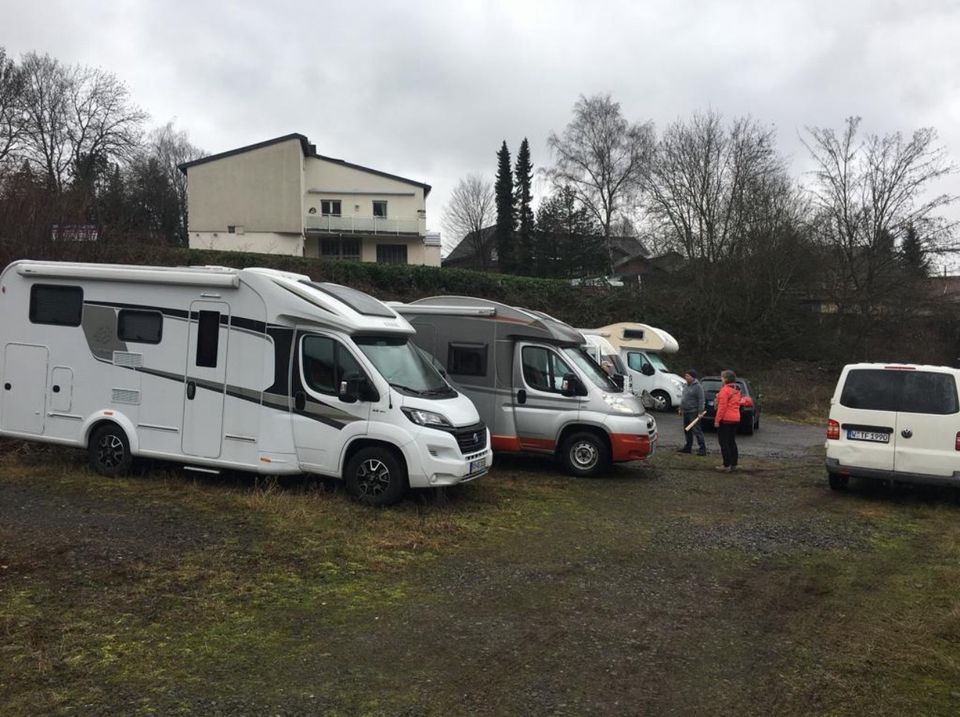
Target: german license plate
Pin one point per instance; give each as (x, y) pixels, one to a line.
(478, 465)
(872, 436)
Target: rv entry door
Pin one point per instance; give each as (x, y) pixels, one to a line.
(205, 378)
(24, 388)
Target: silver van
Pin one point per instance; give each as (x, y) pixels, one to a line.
(894, 422)
(532, 383)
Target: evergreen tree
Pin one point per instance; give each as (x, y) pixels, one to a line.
(525, 226)
(506, 212)
(568, 240)
(913, 255)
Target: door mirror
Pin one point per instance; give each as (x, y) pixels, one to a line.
(572, 386)
(617, 378)
(648, 369)
(355, 388)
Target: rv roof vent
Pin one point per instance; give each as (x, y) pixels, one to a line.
(126, 395)
(128, 359)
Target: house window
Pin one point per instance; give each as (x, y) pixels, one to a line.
(144, 327)
(56, 305)
(330, 207)
(391, 253)
(231, 229)
(340, 249)
(467, 359)
(380, 208)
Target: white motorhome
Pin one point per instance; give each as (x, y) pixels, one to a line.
(253, 369)
(641, 347)
(607, 356)
(532, 382)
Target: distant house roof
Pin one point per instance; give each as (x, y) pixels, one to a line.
(309, 150)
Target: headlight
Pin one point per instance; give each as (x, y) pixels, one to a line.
(426, 418)
(618, 405)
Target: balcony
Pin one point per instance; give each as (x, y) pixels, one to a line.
(332, 224)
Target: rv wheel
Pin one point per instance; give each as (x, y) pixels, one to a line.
(375, 476)
(109, 451)
(585, 454)
(661, 400)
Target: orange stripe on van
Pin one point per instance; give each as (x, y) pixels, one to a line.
(629, 447)
(506, 444)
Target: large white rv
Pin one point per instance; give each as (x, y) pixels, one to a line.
(251, 369)
(533, 383)
(641, 348)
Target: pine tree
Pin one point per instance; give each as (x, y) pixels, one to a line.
(506, 212)
(569, 242)
(912, 254)
(525, 225)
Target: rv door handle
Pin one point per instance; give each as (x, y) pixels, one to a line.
(906, 433)
(56, 389)
(191, 390)
(521, 396)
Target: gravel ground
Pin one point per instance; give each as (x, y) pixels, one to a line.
(775, 438)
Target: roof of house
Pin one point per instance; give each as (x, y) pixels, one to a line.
(309, 150)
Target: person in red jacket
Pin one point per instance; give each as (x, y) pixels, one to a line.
(727, 420)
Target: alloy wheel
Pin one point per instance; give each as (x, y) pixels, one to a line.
(373, 477)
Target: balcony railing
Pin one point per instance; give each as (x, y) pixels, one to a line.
(363, 225)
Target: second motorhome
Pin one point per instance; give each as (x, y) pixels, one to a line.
(641, 347)
(532, 383)
(251, 369)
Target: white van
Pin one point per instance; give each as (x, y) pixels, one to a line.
(642, 347)
(532, 383)
(217, 368)
(894, 422)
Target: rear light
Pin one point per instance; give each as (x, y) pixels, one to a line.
(833, 432)
(956, 444)
(900, 368)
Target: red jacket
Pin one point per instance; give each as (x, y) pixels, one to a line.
(728, 405)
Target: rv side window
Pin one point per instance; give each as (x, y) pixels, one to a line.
(57, 305)
(543, 370)
(636, 361)
(467, 359)
(326, 363)
(208, 338)
(145, 327)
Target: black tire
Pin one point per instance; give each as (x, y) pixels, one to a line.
(748, 429)
(756, 423)
(109, 451)
(585, 454)
(662, 400)
(838, 482)
(375, 476)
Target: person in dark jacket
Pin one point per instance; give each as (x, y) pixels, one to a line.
(727, 420)
(692, 406)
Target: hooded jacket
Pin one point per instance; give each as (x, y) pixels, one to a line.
(728, 405)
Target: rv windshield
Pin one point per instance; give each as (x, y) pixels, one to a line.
(658, 362)
(590, 367)
(404, 368)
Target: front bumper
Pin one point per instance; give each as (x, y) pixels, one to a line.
(435, 460)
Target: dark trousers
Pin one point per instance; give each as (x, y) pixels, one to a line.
(727, 436)
(695, 432)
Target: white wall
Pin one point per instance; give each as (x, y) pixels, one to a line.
(258, 242)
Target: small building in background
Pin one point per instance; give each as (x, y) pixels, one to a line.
(281, 197)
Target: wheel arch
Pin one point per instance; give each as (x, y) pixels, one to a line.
(116, 419)
(359, 443)
(572, 428)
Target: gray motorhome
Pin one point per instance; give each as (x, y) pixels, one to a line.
(532, 383)
(218, 368)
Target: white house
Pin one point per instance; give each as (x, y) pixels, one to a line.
(281, 197)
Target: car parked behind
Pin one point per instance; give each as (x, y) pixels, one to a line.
(749, 403)
(896, 422)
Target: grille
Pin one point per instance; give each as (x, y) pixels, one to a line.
(127, 358)
(126, 395)
(472, 438)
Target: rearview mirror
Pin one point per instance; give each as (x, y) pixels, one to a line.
(355, 388)
(648, 369)
(572, 386)
(617, 379)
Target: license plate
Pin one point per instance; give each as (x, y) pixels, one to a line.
(873, 436)
(478, 465)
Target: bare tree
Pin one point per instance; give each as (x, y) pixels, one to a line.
(75, 119)
(11, 104)
(470, 209)
(868, 192)
(602, 157)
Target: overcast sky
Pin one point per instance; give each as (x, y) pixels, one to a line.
(428, 90)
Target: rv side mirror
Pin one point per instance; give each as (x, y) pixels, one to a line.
(350, 388)
(648, 369)
(571, 386)
(617, 378)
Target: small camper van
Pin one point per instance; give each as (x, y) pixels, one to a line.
(641, 348)
(532, 382)
(253, 369)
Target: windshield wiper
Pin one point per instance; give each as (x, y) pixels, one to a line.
(437, 391)
(401, 387)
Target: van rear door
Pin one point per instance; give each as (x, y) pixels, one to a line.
(928, 424)
(867, 413)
